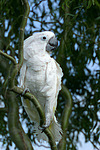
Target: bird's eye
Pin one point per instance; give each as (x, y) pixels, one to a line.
(44, 38)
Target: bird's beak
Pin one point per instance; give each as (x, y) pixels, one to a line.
(52, 44)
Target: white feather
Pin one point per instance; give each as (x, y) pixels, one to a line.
(42, 75)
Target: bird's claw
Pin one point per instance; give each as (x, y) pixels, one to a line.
(25, 91)
(43, 128)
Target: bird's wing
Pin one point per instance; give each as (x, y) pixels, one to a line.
(59, 77)
(28, 105)
(51, 89)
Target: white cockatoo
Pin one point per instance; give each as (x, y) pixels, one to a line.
(42, 75)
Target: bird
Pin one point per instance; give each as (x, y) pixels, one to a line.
(42, 75)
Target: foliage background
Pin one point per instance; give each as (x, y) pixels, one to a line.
(76, 24)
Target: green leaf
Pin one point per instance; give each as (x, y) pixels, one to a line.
(89, 4)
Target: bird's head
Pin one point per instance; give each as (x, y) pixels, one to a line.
(50, 40)
(41, 42)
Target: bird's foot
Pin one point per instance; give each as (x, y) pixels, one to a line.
(25, 91)
(44, 126)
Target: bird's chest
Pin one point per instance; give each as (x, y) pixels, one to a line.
(35, 76)
(38, 73)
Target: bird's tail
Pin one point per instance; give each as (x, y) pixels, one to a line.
(55, 129)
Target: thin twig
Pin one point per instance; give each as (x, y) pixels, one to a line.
(91, 141)
(8, 56)
(41, 145)
(4, 110)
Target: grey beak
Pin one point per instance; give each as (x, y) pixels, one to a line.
(52, 44)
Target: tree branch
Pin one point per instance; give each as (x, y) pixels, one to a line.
(68, 107)
(16, 131)
(22, 27)
(32, 98)
(65, 117)
(8, 56)
(41, 114)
